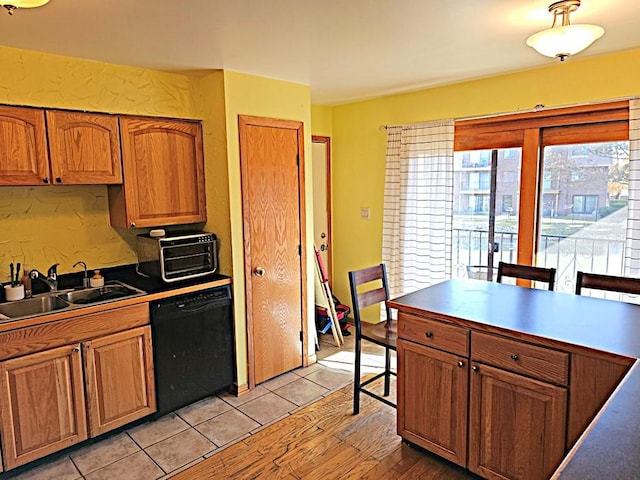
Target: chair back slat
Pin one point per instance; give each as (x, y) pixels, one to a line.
(609, 283)
(372, 296)
(527, 272)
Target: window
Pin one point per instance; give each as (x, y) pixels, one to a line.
(507, 203)
(585, 204)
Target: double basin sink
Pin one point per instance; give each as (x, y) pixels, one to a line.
(67, 300)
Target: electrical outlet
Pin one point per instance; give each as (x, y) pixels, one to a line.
(365, 213)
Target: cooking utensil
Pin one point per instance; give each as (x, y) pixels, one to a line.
(11, 269)
(18, 273)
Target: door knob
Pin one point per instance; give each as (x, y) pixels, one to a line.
(259, 271)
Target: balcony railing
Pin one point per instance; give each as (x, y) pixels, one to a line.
(567, 254)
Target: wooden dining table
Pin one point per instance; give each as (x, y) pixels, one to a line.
(609, 447)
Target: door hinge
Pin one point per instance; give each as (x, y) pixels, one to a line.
(298, 159)
(299, 250)
(300, 335)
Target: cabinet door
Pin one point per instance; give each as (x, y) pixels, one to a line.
(516, 425)
(164, 174)
(432, 400)
(84, 148)
(42, 398)
(119, 378)
(23, 147)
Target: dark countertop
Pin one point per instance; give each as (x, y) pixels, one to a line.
(610, 447)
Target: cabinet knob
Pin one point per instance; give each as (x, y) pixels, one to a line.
(474, 368)
(132, 224)
(514, 357)
(58, 180)
(428, 334)
(45, 180)
(460, 364)
(259, 271)
(76, 349)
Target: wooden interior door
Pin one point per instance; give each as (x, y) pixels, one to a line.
(321, 160)
(271, 153)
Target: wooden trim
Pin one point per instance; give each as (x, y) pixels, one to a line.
(603, 132)
(243, 122)
(327, 142)
(527, 212)
(577, 115)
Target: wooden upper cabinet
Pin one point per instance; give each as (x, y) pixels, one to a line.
(23, 147)
(164, 174)
(43, 408)
(84, 148)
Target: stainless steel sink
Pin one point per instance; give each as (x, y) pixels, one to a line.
(32, 306)
(110, 291)
(68, 299)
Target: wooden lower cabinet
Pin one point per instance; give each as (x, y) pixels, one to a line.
(432, 400)
(119, 378)
(516, 425)
(43, 405)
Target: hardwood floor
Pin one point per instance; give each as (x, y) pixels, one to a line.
(325, 441)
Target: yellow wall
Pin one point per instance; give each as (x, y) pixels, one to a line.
(359, 143)
(250, 95)
(43, 225)
(321, 120)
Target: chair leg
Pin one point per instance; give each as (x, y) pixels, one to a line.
(356, 378)
(387, 371)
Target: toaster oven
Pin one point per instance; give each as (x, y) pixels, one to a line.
(177, 256)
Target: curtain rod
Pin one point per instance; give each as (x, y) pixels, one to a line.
(539, 107)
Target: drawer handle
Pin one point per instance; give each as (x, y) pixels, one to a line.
(515, 357)
(428, 334)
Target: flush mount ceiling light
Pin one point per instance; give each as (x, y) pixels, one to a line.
(11, 5)
(563, 40)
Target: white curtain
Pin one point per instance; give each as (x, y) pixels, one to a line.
(632, 251)
(418, 205)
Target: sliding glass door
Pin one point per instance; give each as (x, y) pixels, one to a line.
(583, 210)
(546, 188)
(485, 210)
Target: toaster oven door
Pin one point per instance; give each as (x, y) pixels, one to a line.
(181, 262)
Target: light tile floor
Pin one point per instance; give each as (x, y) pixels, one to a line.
(161, 448)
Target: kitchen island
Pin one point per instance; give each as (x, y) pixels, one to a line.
(510, 382)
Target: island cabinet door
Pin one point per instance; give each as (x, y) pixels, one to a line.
(42, 404)
(516, 425)
(432, 400)
(119, 377)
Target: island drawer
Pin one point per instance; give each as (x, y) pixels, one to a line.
(433, 333)
(534, 361)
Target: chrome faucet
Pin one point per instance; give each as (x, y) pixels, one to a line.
(51, 279)
(85, 279)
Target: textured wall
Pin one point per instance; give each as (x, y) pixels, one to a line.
(43, 225)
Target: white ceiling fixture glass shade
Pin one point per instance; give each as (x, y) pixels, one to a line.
(564, 40)
(11, 5)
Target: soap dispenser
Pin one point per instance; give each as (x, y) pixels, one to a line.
(97, 280)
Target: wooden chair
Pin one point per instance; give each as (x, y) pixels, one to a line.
(527, 272)
(607, 282)
(384, 333)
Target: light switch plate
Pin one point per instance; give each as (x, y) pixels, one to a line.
(365, 213)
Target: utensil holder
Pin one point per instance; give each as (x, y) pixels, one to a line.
(11, 294)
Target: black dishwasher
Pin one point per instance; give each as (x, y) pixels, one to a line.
(193, 347)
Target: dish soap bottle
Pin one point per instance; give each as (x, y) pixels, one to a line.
(26, 281)
(97, 280)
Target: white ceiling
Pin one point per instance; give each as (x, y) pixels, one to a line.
(344, 49)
